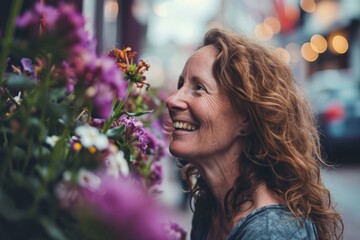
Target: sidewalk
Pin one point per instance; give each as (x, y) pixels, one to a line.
(344, 185)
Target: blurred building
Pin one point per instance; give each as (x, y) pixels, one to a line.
(328, 36)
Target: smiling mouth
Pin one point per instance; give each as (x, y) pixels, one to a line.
(184, 126)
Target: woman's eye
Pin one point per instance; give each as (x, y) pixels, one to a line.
(199, 87)
(180, 84)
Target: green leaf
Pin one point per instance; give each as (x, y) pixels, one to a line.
(16, 81)
(135, 114)
(52, 229)
(8, 209)
(40, 152)
(58, 110)
(18, 153)
(43, 171)
(57, 93)
(116, 131)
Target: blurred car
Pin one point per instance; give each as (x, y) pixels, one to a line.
(335, 96)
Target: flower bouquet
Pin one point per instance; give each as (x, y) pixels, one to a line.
(79, 147)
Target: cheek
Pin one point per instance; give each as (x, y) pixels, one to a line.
(226, 123)
(214, 118)
(207, 112)
(220, 110)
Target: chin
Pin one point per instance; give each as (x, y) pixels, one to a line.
(177, 152)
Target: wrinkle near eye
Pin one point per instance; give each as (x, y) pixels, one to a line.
(214, 101)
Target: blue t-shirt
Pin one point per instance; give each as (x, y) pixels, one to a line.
(273, 222)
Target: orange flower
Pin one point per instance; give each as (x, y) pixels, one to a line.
(125, 61)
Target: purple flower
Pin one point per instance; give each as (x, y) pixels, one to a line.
(175, 232)
(63, 23)
(142, 139)
(70, 75)
(156, 174)
(97, 122)
(27, 65)
(104, 85)
(67, 193)
(102, 95)
(134, 128)
(127, 209)
(33, 17)
(156, 145)
(99, 78)
(130, 122)
(70, 27)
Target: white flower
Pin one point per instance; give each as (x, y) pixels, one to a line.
(88, 179)
(90, 136)
(52, 140)
(67, 176)
(116, 163)
(18, 98)
(66, 193)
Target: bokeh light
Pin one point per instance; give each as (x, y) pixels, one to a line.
(283, 55)
(294, 51)
(326, 12)
(338, 44)
(263, 31)
(111, 10)
(274, 23)
(308, 5)
(163, 9)
(318, 43)
(308, 52)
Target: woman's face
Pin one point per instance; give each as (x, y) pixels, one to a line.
(205, 124)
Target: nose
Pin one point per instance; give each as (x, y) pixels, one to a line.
(176, 101)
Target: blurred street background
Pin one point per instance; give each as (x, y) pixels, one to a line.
(319, 39)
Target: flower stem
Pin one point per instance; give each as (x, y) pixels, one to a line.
(8, 37)
(120, 106)
(117, 110)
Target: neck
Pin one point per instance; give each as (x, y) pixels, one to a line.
(220, 177)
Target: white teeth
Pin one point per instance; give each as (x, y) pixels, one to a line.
(184, 126)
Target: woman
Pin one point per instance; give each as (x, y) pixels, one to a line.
(251, 144)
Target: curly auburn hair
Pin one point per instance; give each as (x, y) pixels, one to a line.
(283, 148)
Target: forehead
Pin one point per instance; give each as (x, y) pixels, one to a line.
(201, 62)
(206, 54)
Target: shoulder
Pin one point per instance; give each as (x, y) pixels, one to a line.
(273, 222)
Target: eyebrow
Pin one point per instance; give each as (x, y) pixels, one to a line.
(194, 79)
(197, 79)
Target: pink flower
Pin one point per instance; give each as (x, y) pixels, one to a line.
(156, 174)
(156, 145)
(99, 78)
(33, 17)
(63, 23)
(175, 232)
(135, 132)
(127, 209)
